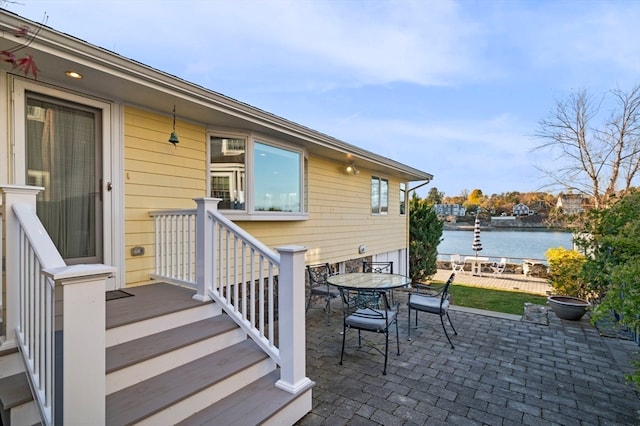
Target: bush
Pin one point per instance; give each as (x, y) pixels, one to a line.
(425, 233)
(565, 267)
(612, 240)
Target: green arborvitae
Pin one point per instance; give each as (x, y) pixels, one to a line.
(425, 233)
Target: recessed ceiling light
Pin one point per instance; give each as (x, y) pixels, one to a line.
(73, 74)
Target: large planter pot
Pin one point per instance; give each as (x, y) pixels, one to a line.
(568, 307)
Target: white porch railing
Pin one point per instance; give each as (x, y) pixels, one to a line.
(175, 246)
(55, 315)
(37, 297)
(255, 286)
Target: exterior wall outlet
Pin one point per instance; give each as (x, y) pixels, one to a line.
(362, 249)
(137, 251)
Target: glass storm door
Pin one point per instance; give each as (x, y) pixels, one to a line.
(63, 155)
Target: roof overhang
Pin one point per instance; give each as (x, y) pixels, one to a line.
(111, 76)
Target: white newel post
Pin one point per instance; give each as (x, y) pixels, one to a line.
(291, 320)
(13, 194)
(83, 341)
(204, 246)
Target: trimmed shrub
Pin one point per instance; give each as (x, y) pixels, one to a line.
(565, 267)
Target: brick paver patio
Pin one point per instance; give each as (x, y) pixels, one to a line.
(503, 371)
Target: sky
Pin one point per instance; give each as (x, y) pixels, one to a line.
(453, 88)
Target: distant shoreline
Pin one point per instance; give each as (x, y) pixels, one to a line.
(519, 227)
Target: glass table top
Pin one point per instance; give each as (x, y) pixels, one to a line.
(369, 280)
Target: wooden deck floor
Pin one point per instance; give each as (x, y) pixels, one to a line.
(149, 301)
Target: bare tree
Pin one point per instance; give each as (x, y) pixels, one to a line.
(598, 160)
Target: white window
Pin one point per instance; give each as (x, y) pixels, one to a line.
(227, 172)
(277, 179)
(379, 195)
(257, 178)
(403, 192)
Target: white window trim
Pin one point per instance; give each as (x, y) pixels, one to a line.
(380, 212)
(249, 214)
(112, 157)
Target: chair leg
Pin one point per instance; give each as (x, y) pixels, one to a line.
(308, 302)
(451, 324)
(327, 308)
(386, 350)
(344, 334)
(397, 337)
(445, 331)
(409, 324)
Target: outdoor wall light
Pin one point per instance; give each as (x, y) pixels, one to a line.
(351, 170)
(174, 136)
(73, 74)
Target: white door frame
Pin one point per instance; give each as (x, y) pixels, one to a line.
(111, 180)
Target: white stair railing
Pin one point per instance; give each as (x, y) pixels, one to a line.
(256, 286)
(240, 273)
(56, 316)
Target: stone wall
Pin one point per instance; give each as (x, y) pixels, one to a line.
(537, 270)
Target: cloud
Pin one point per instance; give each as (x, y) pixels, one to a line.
(347, 43)
(569, 41)
(450, 87)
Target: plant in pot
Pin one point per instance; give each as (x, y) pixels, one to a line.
(565, 267)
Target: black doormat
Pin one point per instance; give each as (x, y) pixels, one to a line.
(117, 294)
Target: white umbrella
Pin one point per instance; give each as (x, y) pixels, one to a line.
(477, 245)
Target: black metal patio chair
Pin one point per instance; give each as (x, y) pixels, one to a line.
(379, 267)
(369, 311)
(319, 286)
(437, 303)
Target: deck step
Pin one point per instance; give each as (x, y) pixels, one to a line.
(170, 397)
(143, 358)
(11, 363)
(255, 404)
(152, 309)
(14, 391)
(16, 401)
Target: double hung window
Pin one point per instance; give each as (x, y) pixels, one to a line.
(379, 195)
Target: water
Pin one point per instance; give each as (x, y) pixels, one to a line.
(509, 244)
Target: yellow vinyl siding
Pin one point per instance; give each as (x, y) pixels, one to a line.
(157, 176)
(340, 217)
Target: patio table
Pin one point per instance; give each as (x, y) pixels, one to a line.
(369, 281)
(476, 264)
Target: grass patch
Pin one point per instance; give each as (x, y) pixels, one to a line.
(509, 302)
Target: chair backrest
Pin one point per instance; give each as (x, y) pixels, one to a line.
(503, 261)
(378, 267)
(456, 258)
(318, 273)
(445, 291)
(354, 300)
